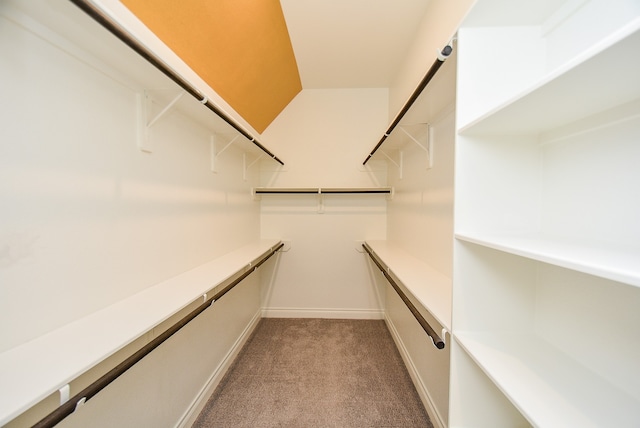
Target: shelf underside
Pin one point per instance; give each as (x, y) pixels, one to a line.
(616, 264)
(38, 368)
(601, 79)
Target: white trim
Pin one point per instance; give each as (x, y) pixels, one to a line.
(331, 313)
(431, 409)
(192, 413)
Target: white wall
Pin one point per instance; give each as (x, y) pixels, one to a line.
(323, 136)
(87, 219)
(420, 220)
(420, 217)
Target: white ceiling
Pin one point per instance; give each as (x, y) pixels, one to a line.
(351, 43)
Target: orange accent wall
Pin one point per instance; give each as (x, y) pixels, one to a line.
(241, 48)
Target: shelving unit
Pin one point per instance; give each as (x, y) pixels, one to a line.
(128, 52)
(418, 249)
(414, 97)
(435, 101)
(431, 288)
(33, 371)
(321, 190)
(546, 258)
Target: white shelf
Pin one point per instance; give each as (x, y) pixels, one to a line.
(321, 190)
(61, 21)
(40, 367)
(571, 92)
(430, 287)
(616, 264)
(546, 386)
(545, 298)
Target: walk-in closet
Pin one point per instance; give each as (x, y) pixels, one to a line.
(319, 213)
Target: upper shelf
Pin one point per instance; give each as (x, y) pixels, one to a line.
(119, 49)
(321, 190)
(432, 95)
(571, 92)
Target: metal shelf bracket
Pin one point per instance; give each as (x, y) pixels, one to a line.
(427, 145)
(399, 164)
(214, 141)
(246, 167)
(145, 121)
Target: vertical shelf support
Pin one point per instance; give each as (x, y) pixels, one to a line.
(428, 145)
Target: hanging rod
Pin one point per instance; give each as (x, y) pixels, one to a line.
(437, 340)
(130, 41)
(81, 397)
(322, 190)
(442, 56)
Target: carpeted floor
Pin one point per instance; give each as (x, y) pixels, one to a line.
(316, 373)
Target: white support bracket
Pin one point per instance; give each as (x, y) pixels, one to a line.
(214, 154)
(427, 146)
(399, 164)
(145, 122)
(245, 167)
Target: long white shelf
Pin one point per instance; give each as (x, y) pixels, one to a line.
(616, 264)
(321, 190)
(38, 368)
(430, 287)
(549, 388)
(573, 91)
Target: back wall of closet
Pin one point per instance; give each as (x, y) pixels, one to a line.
(323, 134)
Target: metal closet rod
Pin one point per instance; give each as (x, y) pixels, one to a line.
(320, 190)
(442, 57)
(127, 39)
(69, 407)
(437, 340)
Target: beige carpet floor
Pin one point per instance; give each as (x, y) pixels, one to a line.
(316, 373)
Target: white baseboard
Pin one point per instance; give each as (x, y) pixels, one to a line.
(434, 415)
(205, 393)
(367, 314)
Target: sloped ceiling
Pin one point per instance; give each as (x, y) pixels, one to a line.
(241, 48)
(258, 54)
(351, 43)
